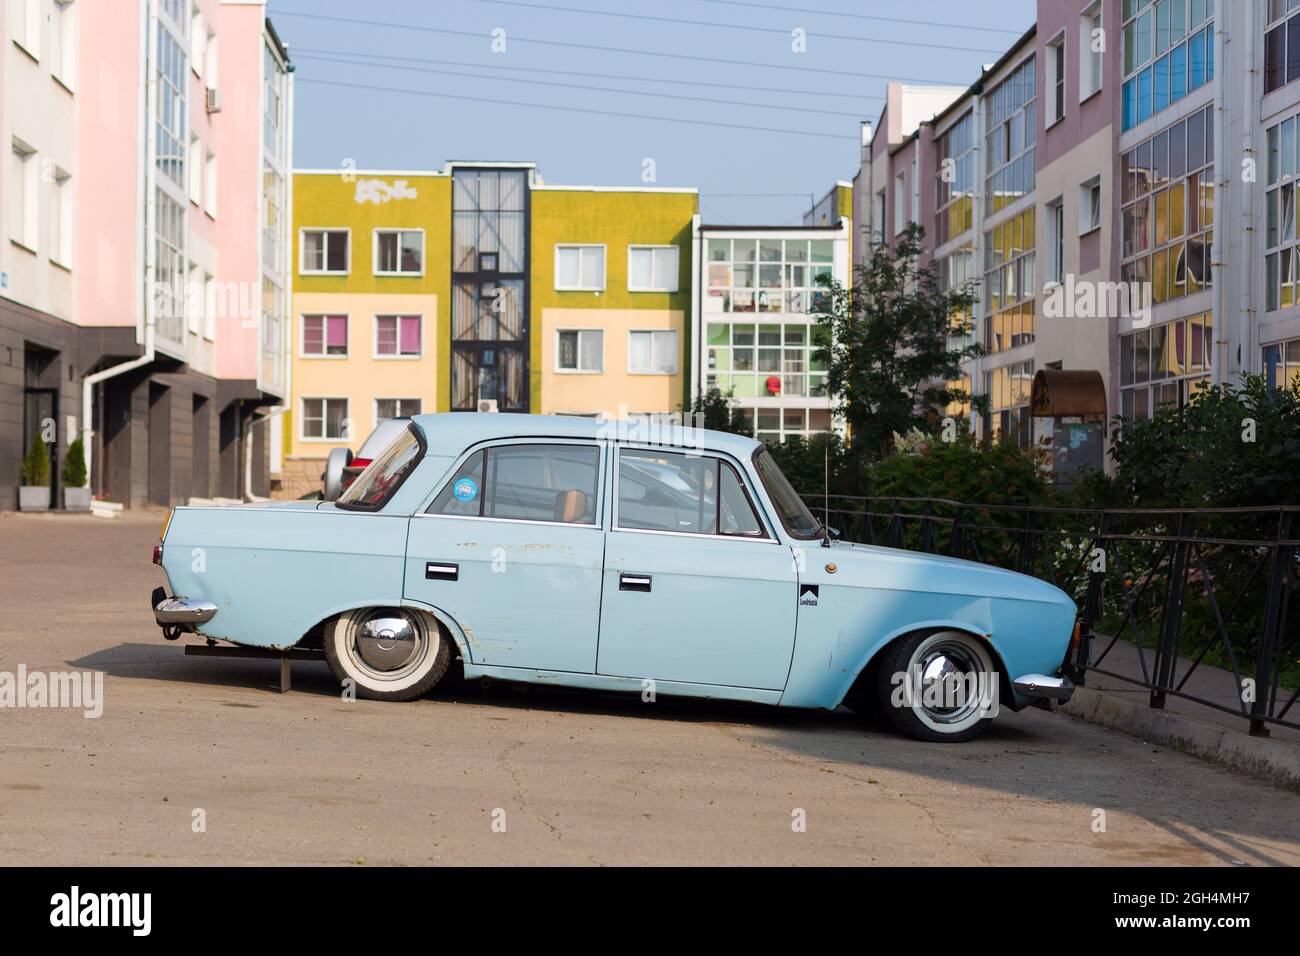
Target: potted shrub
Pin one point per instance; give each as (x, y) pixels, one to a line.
(76, 493)
(34, 493)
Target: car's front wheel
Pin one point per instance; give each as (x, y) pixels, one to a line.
(387, 653)
(938, 685)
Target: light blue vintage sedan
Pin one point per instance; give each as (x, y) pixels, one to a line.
(598, 555)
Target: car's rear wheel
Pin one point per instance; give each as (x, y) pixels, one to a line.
(938, 685)
(388, 653)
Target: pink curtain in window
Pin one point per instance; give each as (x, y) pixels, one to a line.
(336, 331)
(409, 334)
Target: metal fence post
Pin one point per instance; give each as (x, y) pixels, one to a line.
(1277, 575)
(1171, 620)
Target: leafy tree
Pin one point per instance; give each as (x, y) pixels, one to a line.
(719, 414)
(36, 464)
(74, 468)
(892, 351)
(996, 473)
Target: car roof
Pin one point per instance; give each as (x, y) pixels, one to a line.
(450, 433)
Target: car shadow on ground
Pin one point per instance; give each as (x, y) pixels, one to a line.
(1052, 758)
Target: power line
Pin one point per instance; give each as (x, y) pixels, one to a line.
(578, 86)
(594, 76)
(782, 8)
(515, 38)
(751, 27)
(577, 109)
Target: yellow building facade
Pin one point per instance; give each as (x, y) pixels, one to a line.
(478, 287)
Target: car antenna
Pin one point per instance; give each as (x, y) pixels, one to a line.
(826, 497)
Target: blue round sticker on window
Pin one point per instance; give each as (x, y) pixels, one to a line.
(466, 489)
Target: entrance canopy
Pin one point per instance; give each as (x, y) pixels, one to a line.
(1058, 393)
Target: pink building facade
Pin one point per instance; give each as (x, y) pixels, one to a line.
(167, 354)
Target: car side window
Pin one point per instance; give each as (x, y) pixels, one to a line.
(691, 494)
(541, 482)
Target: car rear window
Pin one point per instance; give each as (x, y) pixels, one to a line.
(379, 482)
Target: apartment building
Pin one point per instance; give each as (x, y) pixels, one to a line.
(144, 292)
(1074, 184)
(480, 287)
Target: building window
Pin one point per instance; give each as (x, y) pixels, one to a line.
(194, 299)
(1055, 111)
(324, 335)
(386, 408)
(770, 360)
(1168, 53)
(325, 419)
(900, 201)
(62, 216)
(171, 123)
(878, 218)
(955, 183)
(652, 268)
(1008, 389)
(209, 308)
(1092, 42)
(194, 170)
(24, 210)
(579, 350)
(580, 268)
(1167, 213)
(768, 275)
(1090, 205)
(324, 252)
(1282, 182)
(63, 43)
(1162, 367)
(1055, 241)
(1011, 121)
(1009, 282)
(1282, 364)
(170, 265)
(397, 336)
(27, 26)
(399, 252)
(210, 184)
(652, 352)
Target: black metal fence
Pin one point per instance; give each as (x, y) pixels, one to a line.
(1186, 587)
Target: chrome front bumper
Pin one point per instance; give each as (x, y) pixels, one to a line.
(1042, 687)
(177, 611)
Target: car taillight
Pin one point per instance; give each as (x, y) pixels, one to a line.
(157, 554)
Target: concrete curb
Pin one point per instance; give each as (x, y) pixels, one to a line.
(1261, 757)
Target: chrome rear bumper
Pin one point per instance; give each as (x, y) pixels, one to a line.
(1042, 687)
(182, 611)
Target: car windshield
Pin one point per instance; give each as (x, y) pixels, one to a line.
(796, 517)
(385, 474)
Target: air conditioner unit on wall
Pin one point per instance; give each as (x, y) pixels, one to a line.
(213, 101)
(487, 404)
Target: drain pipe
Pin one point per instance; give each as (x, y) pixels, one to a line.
(87, 400)
(1246, 319)
(1219, 371)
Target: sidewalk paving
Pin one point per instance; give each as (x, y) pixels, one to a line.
(1187, 724)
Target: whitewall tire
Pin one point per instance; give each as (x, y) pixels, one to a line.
(388, 653)
(916, 675)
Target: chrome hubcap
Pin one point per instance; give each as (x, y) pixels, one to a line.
(389, 641)
(952, 682)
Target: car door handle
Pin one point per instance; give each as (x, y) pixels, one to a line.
(440, 571)
(634, 582)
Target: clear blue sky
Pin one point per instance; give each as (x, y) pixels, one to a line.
(727, 148)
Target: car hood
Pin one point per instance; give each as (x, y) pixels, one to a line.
(871, 566)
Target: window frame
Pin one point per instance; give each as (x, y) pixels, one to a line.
(604, 266)
(1089, 84)
(1055, 242)
(302, 335)
(374, 407)
(676, 370)
(398, 355)
(323, 439)
(598, 509)
(1055, 85)
(1086, 189)
(652, 249)
(560, 370)
(302, 251)
(767, 535)
(397, 231)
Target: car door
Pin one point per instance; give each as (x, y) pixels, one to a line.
(512, 548)
(697, 588)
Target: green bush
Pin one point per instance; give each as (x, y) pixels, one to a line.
(998, 473)
(74, 469)
(36, 464)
